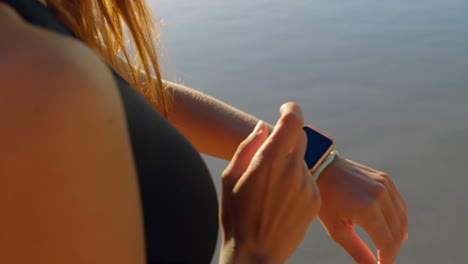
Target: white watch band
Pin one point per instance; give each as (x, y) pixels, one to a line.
(325, 163)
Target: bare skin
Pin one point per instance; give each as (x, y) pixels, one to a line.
(51, 190)
(351, 193)
(268, 196)
(354, 194)
(51, 185)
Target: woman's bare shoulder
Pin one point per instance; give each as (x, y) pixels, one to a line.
(35, 61)
(53, 78)
(23, 45)
(63, 139)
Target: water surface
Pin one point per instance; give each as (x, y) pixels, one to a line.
(387, 79)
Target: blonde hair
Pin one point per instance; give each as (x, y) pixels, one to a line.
(104, 26)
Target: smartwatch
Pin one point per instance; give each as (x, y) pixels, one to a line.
(319, 147)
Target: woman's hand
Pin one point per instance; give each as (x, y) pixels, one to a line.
(269, 198)
(355, 194)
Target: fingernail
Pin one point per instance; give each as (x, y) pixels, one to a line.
(283, 108)
(405, 237)
(258, 128)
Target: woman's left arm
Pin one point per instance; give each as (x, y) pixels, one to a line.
(213, 127)
(351, 193)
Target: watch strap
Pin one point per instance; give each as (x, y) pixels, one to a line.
(324, 164)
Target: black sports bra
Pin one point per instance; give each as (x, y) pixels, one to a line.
(179, 200)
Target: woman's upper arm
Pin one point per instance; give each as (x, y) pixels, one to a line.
(68, 186)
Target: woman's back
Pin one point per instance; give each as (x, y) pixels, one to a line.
(59, 152)
(79, 152)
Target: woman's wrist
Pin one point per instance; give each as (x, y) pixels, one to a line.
(337, 160)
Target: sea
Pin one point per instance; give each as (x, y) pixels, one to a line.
(387, 79)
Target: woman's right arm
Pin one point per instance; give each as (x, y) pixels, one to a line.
(68, 186)
(268, 196)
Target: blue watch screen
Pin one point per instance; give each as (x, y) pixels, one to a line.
(317, 146)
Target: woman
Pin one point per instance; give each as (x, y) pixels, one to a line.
(90, 172)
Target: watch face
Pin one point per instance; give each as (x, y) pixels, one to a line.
(318, 147)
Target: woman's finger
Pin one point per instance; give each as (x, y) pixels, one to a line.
(297, 159)
(299, 149)
(390, 211)
(244, 154)
(376, 226)
(295, 179)
(351, 243)
(400, 204)
(285, 132)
